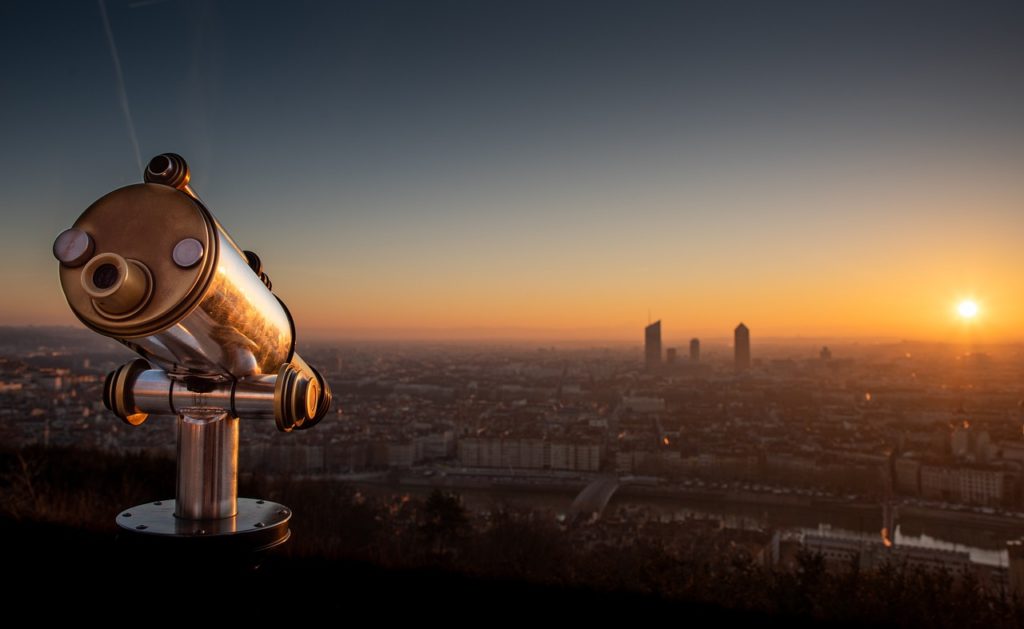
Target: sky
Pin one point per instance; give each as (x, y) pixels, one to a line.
(545, 170)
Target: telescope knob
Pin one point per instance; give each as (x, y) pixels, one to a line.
(323, 402)
(117, 391)
(257, 267)
(301, 398)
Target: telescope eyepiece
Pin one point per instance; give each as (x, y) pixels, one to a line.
(169, 169)
(118, 287)
(159, 165)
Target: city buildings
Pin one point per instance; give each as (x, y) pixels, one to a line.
(901, 422)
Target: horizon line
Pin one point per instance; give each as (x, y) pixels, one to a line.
(551, 336)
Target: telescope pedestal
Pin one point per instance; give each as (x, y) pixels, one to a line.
(207, 517)
(207, 486)
(259, 525)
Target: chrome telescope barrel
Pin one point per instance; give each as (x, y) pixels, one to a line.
(135, 391)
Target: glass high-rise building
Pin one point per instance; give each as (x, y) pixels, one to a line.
(652, 345)
(694, 350)
(741, 343)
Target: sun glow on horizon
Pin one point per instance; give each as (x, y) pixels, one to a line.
(967, 309)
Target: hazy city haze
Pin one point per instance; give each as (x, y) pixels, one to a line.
(547, 170)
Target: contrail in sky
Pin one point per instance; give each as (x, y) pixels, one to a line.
(120, 83)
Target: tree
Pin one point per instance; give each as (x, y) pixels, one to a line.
(444, 523)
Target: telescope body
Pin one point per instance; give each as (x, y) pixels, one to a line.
(149, 266)
(213, 318)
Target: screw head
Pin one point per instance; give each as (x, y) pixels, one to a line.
(73, 247)
(187, 252)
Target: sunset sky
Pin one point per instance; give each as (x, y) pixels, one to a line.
(548, 170)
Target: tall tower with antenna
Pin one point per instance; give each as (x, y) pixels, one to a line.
(652, 346)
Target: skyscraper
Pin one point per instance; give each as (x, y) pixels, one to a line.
(652, 345)
(670, 355)
(694, 350)
(741, 342)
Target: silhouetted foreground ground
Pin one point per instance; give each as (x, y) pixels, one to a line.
(424, 560)
(60, 571)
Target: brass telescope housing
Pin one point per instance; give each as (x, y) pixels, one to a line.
(150, 267)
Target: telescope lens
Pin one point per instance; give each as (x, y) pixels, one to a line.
(104, 276)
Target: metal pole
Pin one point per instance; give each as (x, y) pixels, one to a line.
(207, 486)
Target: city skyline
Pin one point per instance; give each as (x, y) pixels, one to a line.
(855, 169)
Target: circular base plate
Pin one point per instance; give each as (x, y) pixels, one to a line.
(259, 525)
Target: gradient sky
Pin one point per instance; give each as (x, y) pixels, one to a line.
(547, 169)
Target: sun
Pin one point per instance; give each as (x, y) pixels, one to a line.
(967, 309)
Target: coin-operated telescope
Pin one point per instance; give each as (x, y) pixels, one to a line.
(148, 265)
